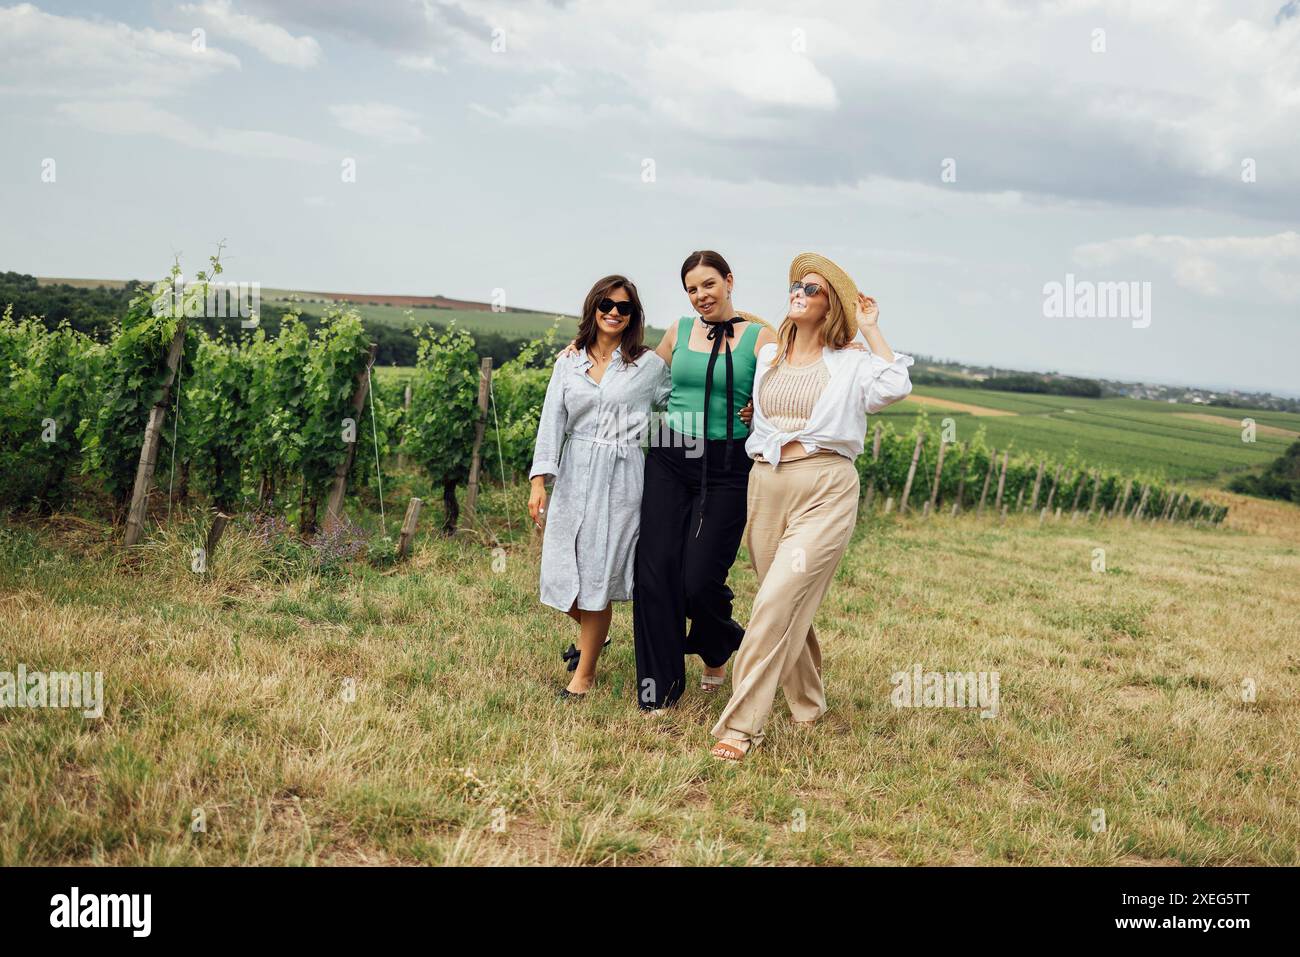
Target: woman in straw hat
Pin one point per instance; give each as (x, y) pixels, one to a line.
(812, 396)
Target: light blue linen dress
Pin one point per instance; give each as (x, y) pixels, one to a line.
(590, 438)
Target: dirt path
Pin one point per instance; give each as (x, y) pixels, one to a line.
(1236, 423)
(936, 403)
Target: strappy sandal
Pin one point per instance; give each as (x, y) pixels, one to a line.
(711, 683)
(726, 752)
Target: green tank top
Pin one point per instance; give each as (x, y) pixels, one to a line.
(685, 413)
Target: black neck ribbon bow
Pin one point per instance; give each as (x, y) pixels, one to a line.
(718, 332)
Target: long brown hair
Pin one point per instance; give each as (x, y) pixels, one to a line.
(632, 341)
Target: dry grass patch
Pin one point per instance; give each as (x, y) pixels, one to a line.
(409, 716)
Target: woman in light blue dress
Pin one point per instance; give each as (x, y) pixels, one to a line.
(595, 416)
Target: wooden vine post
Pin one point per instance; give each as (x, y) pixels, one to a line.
(1038, 486)
(1002, 481)
(219, 522)
(408, 528)
(475, 461)
(1080, 480)
(911, 472)
(875, 457)
(938, 474)
(1056, 477)
(1122, 505)
(988, 477)
(152, 439)
(339, 487)
(1142, 503)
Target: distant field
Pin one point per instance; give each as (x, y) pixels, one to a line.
(520, 324)
(81, 283)
(1124, 433)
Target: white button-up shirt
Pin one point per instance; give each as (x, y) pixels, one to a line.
(860, 383)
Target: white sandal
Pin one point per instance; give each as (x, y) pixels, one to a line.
(711, 683)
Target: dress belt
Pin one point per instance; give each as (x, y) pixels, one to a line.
(620, 446)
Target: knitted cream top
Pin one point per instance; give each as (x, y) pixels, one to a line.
(789, 393)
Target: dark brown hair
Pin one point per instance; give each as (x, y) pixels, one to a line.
(705, 257)
(632, 343)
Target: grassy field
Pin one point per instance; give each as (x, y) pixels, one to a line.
(1119, 690)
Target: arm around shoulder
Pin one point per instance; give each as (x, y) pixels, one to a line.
(666, 344)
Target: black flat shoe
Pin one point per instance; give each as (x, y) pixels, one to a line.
(566, 693)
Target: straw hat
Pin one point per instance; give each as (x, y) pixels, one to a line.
(844, 288)
(751, 317)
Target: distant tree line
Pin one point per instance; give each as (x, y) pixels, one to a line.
(97, 311)
(1022, 382)
(1280, 480)
(1251, 402)
(90, 311)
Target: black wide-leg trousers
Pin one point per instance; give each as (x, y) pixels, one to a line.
(680, 575)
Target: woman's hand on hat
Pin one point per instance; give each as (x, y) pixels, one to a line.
(868, 312)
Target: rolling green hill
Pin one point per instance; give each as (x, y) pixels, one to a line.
(1124, 433)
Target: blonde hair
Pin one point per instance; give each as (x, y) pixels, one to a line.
(837, 331)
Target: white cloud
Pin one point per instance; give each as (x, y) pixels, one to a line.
(274, 42)
(47, 55)
(420, 64)
(1182, 94)
(1257, 269)
(140, 117)
(381, 121)
(716, 72)
(555, 106)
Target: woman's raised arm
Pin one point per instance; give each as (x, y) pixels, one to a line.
(886, 379)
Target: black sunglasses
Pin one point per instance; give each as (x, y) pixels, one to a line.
(809, 289)
(609, 305)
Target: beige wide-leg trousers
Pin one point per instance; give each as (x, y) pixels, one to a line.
(801, 515)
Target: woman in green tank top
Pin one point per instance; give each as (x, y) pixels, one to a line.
(693, 502)
(686, 403)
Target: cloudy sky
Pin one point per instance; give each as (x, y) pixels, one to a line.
(955, 157)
